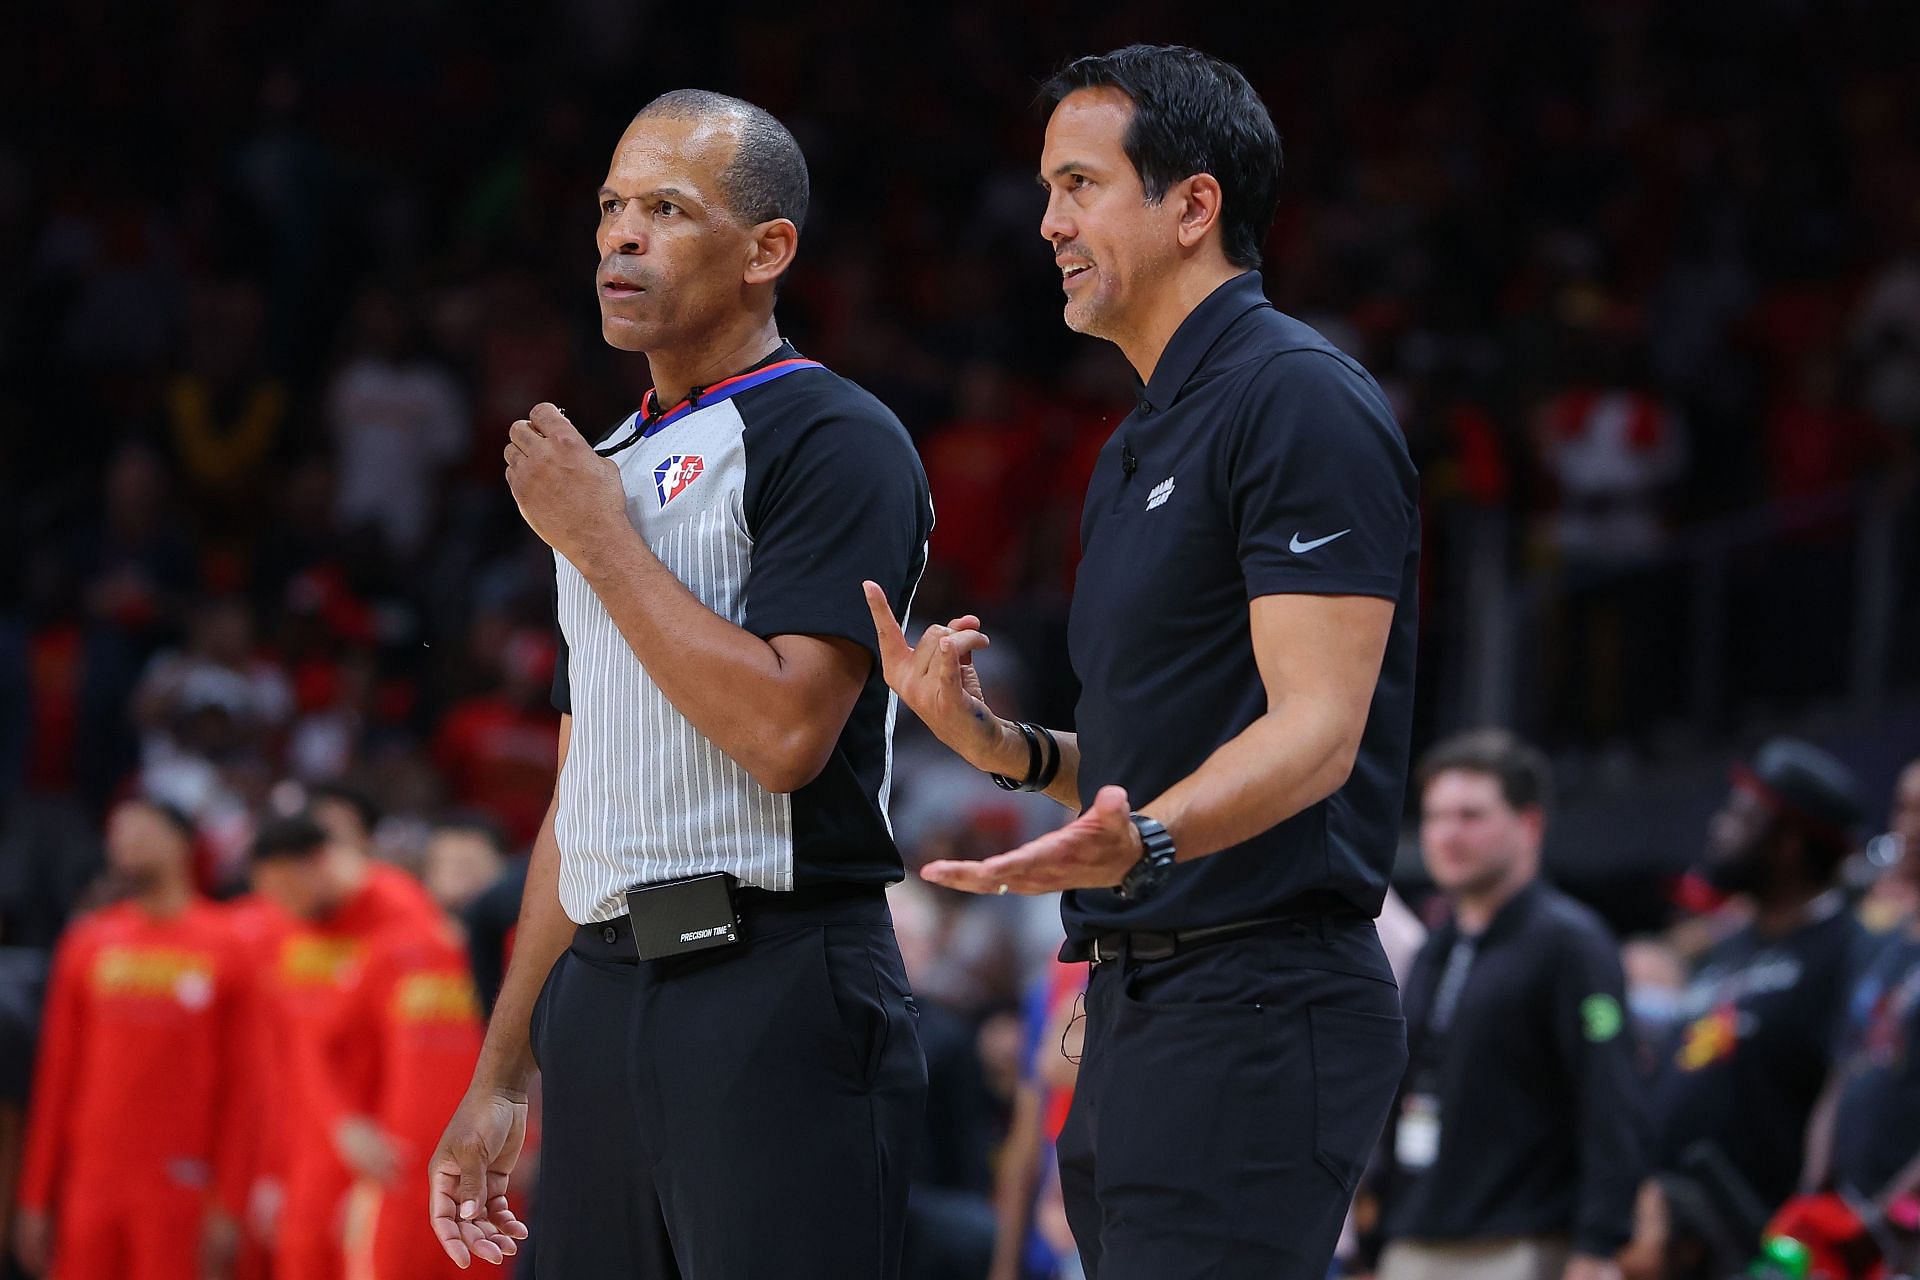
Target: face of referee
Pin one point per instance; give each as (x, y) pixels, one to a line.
(676, 266)
(1113, 246)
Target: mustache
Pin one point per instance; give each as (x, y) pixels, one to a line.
(612, 271)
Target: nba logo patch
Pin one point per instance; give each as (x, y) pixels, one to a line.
(672, 477)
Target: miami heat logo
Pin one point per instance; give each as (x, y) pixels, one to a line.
(673, 476)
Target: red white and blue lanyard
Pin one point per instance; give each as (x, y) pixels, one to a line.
(703, 397)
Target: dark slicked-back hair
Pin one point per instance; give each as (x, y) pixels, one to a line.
(1192, 113)
(1525, 776)
(767, 177)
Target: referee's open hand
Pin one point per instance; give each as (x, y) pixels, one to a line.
(568, 494)
(467, 1180)
(1094, 851)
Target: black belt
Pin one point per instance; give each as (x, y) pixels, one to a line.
(761, 911)
(1302, 915)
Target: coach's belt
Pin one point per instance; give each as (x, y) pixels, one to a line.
(1158, 944)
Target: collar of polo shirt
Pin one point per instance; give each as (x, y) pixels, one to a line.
(1197, 334)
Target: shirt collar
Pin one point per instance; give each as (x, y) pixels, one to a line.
(1511, 913)
(1197, 334)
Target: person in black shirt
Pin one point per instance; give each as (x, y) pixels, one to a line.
(1738, 1080)
(1243, 631)
(1866, 1141)
(1516, 1149)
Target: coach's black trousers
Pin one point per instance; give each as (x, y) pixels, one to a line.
(734, 1114)
(1228, 1100)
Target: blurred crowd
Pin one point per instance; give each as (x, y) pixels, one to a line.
(279, 288)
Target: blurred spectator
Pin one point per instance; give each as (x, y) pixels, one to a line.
(1516, 1034)
(1865, 1142)
(23, 973)
(979, 464)
(1656, 981)
(397, 419)
(207, 714)
(496, 748)
(138, 1067)
(225, 417)
(949, 1218)
(465, 856)
(1028, 1178)
(1886, 341)
(348, 815)
(1894, 897)
(1738, 1080)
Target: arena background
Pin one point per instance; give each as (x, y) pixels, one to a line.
(1642, 279)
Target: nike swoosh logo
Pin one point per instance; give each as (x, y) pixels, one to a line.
(1297, 546)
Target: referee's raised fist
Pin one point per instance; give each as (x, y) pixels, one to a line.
(567, 493)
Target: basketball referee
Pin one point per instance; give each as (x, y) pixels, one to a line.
(1243, 630)
(732, 1075)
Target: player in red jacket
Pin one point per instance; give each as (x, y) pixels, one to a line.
(137, 1069)
(417, 1007)
(248, 1197)
(317, 1136)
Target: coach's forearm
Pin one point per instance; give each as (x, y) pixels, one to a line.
(1290, 758)
(543, 932)
(730, 684)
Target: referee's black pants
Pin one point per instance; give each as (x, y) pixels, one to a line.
(1229, 1097)
(739, 1113)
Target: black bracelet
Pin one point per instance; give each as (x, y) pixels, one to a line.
(1051, 769)
(1005, 783)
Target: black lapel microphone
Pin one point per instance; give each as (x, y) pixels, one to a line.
(1128, 463)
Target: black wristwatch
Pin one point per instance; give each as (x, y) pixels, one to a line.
(1146, 876)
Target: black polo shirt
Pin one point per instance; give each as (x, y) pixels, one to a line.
(1260, 461)
(1522, 1073)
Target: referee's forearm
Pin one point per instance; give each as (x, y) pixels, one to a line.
(543, 932)
(729, 683)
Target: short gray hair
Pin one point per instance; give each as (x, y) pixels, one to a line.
(767, 177)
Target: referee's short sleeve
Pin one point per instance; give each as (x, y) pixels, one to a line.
(833, 500)
(562, 689)
(1320, 488)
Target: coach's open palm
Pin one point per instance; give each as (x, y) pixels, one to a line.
(467, 1179)
(937, 679)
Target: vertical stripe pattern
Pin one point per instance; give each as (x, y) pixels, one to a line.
(644, 796)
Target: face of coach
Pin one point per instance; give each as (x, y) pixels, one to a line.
(688, 246)
(1144, 224)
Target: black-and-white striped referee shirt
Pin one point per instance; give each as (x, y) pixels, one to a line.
(771, 495)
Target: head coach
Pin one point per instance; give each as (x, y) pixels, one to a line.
(732, 1077)
(1243, 630)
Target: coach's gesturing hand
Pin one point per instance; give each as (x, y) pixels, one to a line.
(468, 1179)
(567, 493)
(937, 680)
(1094, 851)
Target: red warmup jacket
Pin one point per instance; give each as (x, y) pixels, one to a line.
(322, 1065)
(140, 1052)
(259, 926)
(417, 1008)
